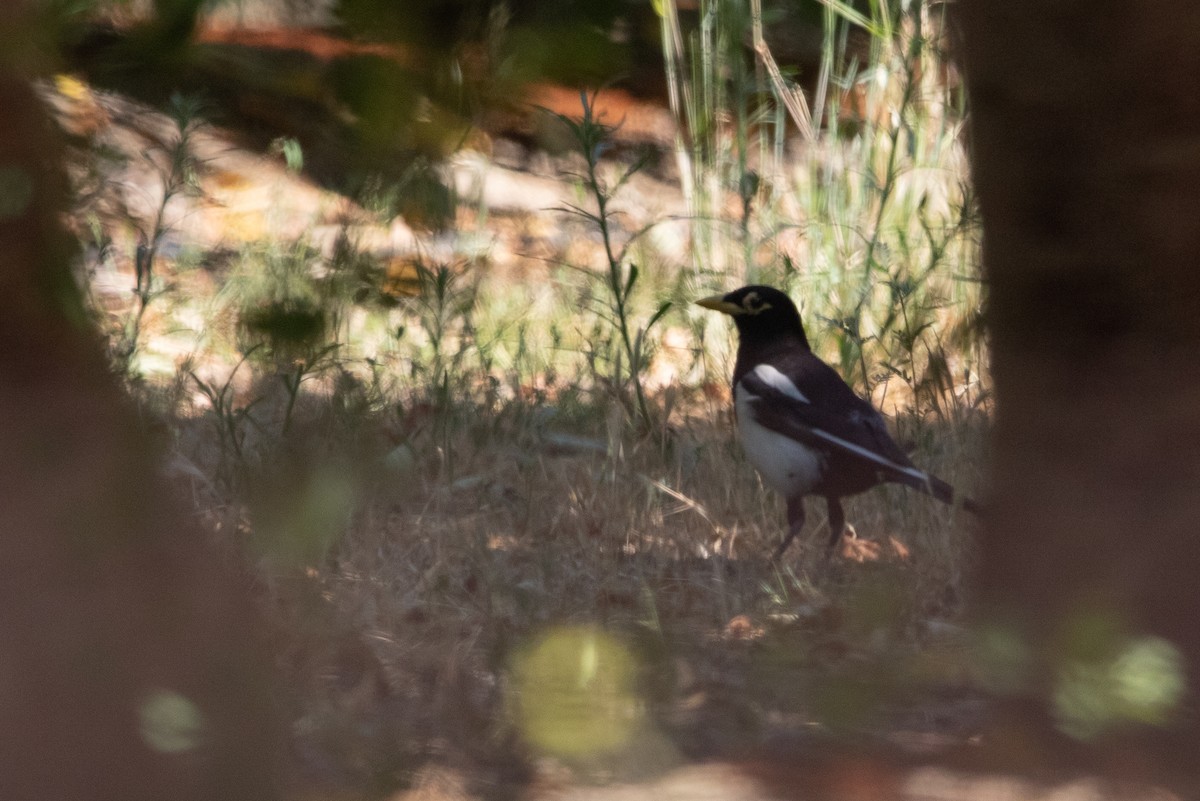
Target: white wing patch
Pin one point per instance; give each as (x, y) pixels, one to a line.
(783, 462)
(777, 380)
(787, 466)
(870, 455)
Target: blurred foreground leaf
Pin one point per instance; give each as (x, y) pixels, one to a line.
(575, 692)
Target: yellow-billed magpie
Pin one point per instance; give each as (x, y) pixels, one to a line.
(802, 427)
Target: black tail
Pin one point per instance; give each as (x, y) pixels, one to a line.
(936, 488)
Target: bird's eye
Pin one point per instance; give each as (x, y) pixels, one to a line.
(754, 304)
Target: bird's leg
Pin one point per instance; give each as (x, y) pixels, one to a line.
(795, 515)
(837, 523)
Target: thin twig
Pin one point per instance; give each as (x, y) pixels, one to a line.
(793, 99)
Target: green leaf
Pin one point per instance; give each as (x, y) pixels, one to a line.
(658, 315)
(631, 280)
(637, 166)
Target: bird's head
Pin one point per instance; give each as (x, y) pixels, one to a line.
(760, 313)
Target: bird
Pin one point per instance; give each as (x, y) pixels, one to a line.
(802, 427)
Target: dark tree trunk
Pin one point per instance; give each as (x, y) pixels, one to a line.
(1085, 131)
(130, 660)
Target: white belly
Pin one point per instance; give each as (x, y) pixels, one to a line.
(785, 465)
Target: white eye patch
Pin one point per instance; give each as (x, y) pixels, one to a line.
(753, 304)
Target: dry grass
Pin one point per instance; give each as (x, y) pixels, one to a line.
(400, 629)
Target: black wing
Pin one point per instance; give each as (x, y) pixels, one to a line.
(856, 433)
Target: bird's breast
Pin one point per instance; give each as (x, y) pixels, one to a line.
(787, 466)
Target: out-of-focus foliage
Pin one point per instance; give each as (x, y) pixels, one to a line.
(575, 692)
(402, 87)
